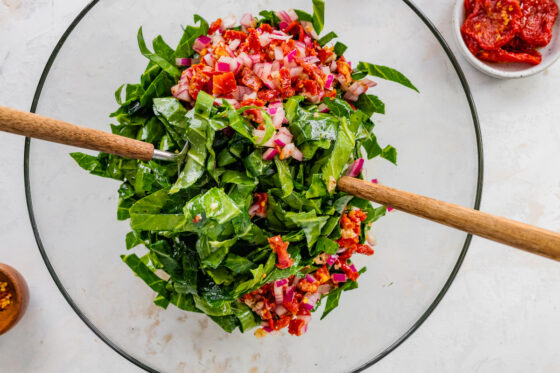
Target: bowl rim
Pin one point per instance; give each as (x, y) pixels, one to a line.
(491, 70)
(477, 200)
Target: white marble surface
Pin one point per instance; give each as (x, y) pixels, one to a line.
(500, 315)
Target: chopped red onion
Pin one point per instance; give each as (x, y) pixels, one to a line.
(208, 59)
(357, 89)
(253, 209)
(256, 58)
(297, 155)
(287, 151)
(353, 268)
(201, 42)
(341, 250)
(282, 282)
(284, 16)
(323, 108)
(229, 21)
(264, 39)
(329, 81)
(283, 25)
(245, 59)
(293, 15)
(223, 67)
(234, 44)
(368, 82)
(324, 289)
(271, 110)
(267, 329)
(339, 277)
(248, 20)
(280, 310)
(278, 294)
(278, 118)
(278, 54)
(296, 71)
(389, 208)
(275, 67)
(270, 154)
(356, 167)
(310, 278)
(279, 35)
(311, 59)
(374, 181)
(290, 292)
(183, 61)
(311, 300)
(282, 140)
(290, 56)
(286, 131)
(370, 238)
(296, 280)
(332, 259)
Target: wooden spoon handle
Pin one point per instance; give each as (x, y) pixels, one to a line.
(522, 236)
(39, 127)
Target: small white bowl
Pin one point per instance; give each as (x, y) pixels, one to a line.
(550, 53)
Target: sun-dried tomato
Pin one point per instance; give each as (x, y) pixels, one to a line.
(254, 114)
(197, 83)
(283, 322)
(351, 274)
(265, 27)
(469, 7)
(493, 23)
(215, 26)
(286, 83)
(281, 249)
(292, 307)
(344, 68)
(253, 102)
(502, 55)
(253, 42)
(308, 86)
(250, 79)
(357, 216)
(514, 51)
(322, 274)
(260, 201)
(224, 83)
(308, 287)
(364, 249)
(539, 17)
(269, 95)
(296, 30)
(324, 54)
(230, 35)
(297, 327)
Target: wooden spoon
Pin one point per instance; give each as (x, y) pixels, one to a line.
(522, 236)
(526, 237)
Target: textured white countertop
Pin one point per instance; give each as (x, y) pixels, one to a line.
(502, 314)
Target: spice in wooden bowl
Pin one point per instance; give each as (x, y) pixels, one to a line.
(14, 297)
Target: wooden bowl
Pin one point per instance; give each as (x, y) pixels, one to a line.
(20, 297)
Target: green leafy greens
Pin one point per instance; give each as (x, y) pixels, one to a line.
(194, 223)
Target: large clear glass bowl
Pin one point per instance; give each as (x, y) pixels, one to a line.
(74, 214)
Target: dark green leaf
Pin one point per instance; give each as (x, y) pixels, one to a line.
(386, 73)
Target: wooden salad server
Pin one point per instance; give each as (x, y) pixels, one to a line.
(522, 236)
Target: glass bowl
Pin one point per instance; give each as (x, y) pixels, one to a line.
(74, 214)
